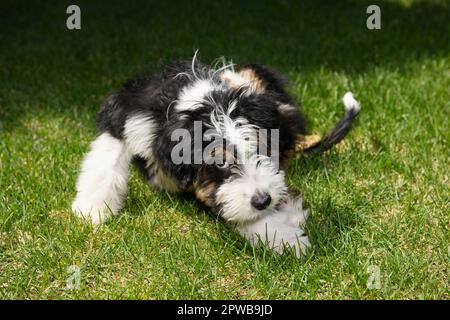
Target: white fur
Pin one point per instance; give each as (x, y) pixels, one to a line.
(256, 172)
(192, 96)
(350, 103)
(237, 132)
(102, 183)
(279, 228)
(255, 176)
(139, 133)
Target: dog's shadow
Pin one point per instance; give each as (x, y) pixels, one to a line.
(328, 220)
(289, 36)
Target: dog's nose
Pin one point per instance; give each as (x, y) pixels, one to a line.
(260, 201)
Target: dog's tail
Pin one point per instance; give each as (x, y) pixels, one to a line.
(340, 130)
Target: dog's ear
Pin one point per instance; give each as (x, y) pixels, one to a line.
(293, 124)
(269, 87)
(272, 110)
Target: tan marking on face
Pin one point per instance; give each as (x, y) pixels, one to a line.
(204, 192)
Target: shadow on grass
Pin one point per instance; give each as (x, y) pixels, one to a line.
(324, 227)
(329, 223)
(47, 68)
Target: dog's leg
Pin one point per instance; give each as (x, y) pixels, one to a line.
(102, 183)
(280, 228)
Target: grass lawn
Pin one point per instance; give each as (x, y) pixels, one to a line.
(379, 202)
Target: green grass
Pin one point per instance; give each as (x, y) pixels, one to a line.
(380, 199)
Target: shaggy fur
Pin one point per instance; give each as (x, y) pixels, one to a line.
(145, 121)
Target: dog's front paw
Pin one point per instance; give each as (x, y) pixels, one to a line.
(280, 228)
(277, 233)
(96, 214)
(276, 237)
(294, 212)
(296, 239)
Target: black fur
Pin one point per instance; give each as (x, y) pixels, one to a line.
(155, 95)
(335, 135)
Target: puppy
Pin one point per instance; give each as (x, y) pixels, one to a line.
(222, 133)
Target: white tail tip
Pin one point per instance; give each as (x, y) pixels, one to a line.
(350, 103)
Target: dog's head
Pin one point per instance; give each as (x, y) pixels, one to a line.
(249, 189)
(236, 145)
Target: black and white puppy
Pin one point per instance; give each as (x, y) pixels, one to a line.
(222, 133)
